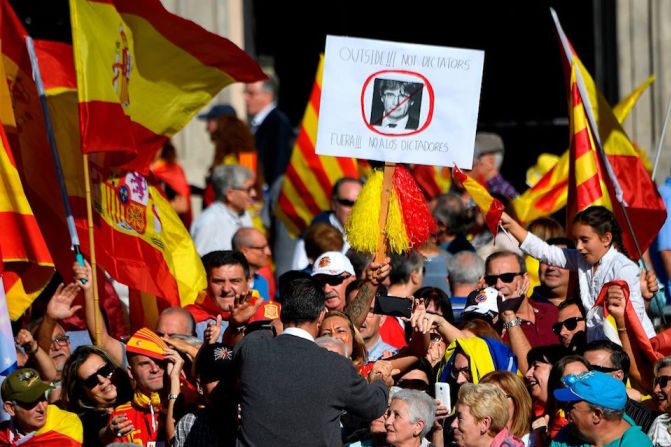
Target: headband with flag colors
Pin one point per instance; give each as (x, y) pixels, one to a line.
(549, 194)
(409, 222)
(147, 342)
(490, 207)
(143, 73)
(624, 181)
(309, 179)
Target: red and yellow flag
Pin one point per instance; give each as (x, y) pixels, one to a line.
(490, 207)
(143, 73)
(433, 180)
(306, 189)
(549, 194)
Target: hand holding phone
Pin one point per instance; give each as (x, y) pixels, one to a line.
(394, 306)
(442, 393)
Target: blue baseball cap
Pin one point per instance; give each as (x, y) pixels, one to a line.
(218, 110)
(593, 387)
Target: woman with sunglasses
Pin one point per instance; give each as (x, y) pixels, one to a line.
(599, 257)
(92, 387)
(660, 431)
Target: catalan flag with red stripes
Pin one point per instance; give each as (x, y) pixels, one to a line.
(490, 207)
(143, 73)
(433, 180)
(306, 189)
(643, 203)
(549, 194)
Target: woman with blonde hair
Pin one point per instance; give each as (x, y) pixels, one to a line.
(482, 415)
(519, 402)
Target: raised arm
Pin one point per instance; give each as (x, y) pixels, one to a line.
(59, 308)
(107, 342)
(374, 275)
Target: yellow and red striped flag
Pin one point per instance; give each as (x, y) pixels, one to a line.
(490, 207)
(433, 180)
(307, 184)
(549, 194)
(143, 73)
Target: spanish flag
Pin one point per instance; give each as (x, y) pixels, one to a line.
(549, 194)
(143, 73)
(433, 180)
(307, 184)
(490, 207)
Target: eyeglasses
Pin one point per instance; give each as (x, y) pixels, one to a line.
(505, 277)
(92, 381)
(436, 338)
(466, 371)
(603, 369)
(331, 280)
(247, 190)
(61, 340)
(345, 202)
(569, 323)
(661, 380)
(388, 96)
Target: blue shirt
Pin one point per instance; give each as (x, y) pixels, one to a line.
(378, 349)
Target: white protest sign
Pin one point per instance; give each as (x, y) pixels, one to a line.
(399, 102)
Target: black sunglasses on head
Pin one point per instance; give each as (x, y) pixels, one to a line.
(92, 381)
(569, 323)
(661, 380)
(505, 277)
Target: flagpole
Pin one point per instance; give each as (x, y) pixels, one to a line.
(619, 196)
(94, 276)
(37, 77)
(388, 176)
(661, 140)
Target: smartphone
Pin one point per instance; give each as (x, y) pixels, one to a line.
(394, 306)
(443, 395)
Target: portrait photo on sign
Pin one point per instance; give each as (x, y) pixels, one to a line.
(396, 105)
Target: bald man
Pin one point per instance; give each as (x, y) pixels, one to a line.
(254, 246)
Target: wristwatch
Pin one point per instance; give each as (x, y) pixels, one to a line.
(173, 396)
(510, 324)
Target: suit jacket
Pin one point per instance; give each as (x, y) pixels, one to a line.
(293, 392)
(274, 139)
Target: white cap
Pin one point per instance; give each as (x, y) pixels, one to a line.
(332, 263)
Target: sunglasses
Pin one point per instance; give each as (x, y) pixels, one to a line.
(662, 381)
(331, 280)
(61, 340)
(345, 202)
(466, 371)
(30, 405)
(93, 381)
(603, 369)
(505, 277)
(570, 324)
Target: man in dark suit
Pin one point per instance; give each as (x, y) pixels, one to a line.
(292, 391)
(271, 127)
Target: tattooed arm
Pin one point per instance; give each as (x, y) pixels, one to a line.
(374, 275)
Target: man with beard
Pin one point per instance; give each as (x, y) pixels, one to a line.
(570, 326)
(524, 323)
(554, 281)
(228, 282)
(333, 271)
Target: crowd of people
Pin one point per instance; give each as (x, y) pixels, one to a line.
(524, 335)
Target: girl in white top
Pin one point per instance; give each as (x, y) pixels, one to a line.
(599, 257)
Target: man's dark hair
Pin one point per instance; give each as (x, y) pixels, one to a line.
(561, 241)
(618, 358)
(573, 301)
(403, 265)
(218, 258)
(434, 294)
(504, 254)
(359, 260)
(302, 301)
(341, 181)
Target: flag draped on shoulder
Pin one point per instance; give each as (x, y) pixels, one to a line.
(307, 184)
(490, 207)
(143, 73)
